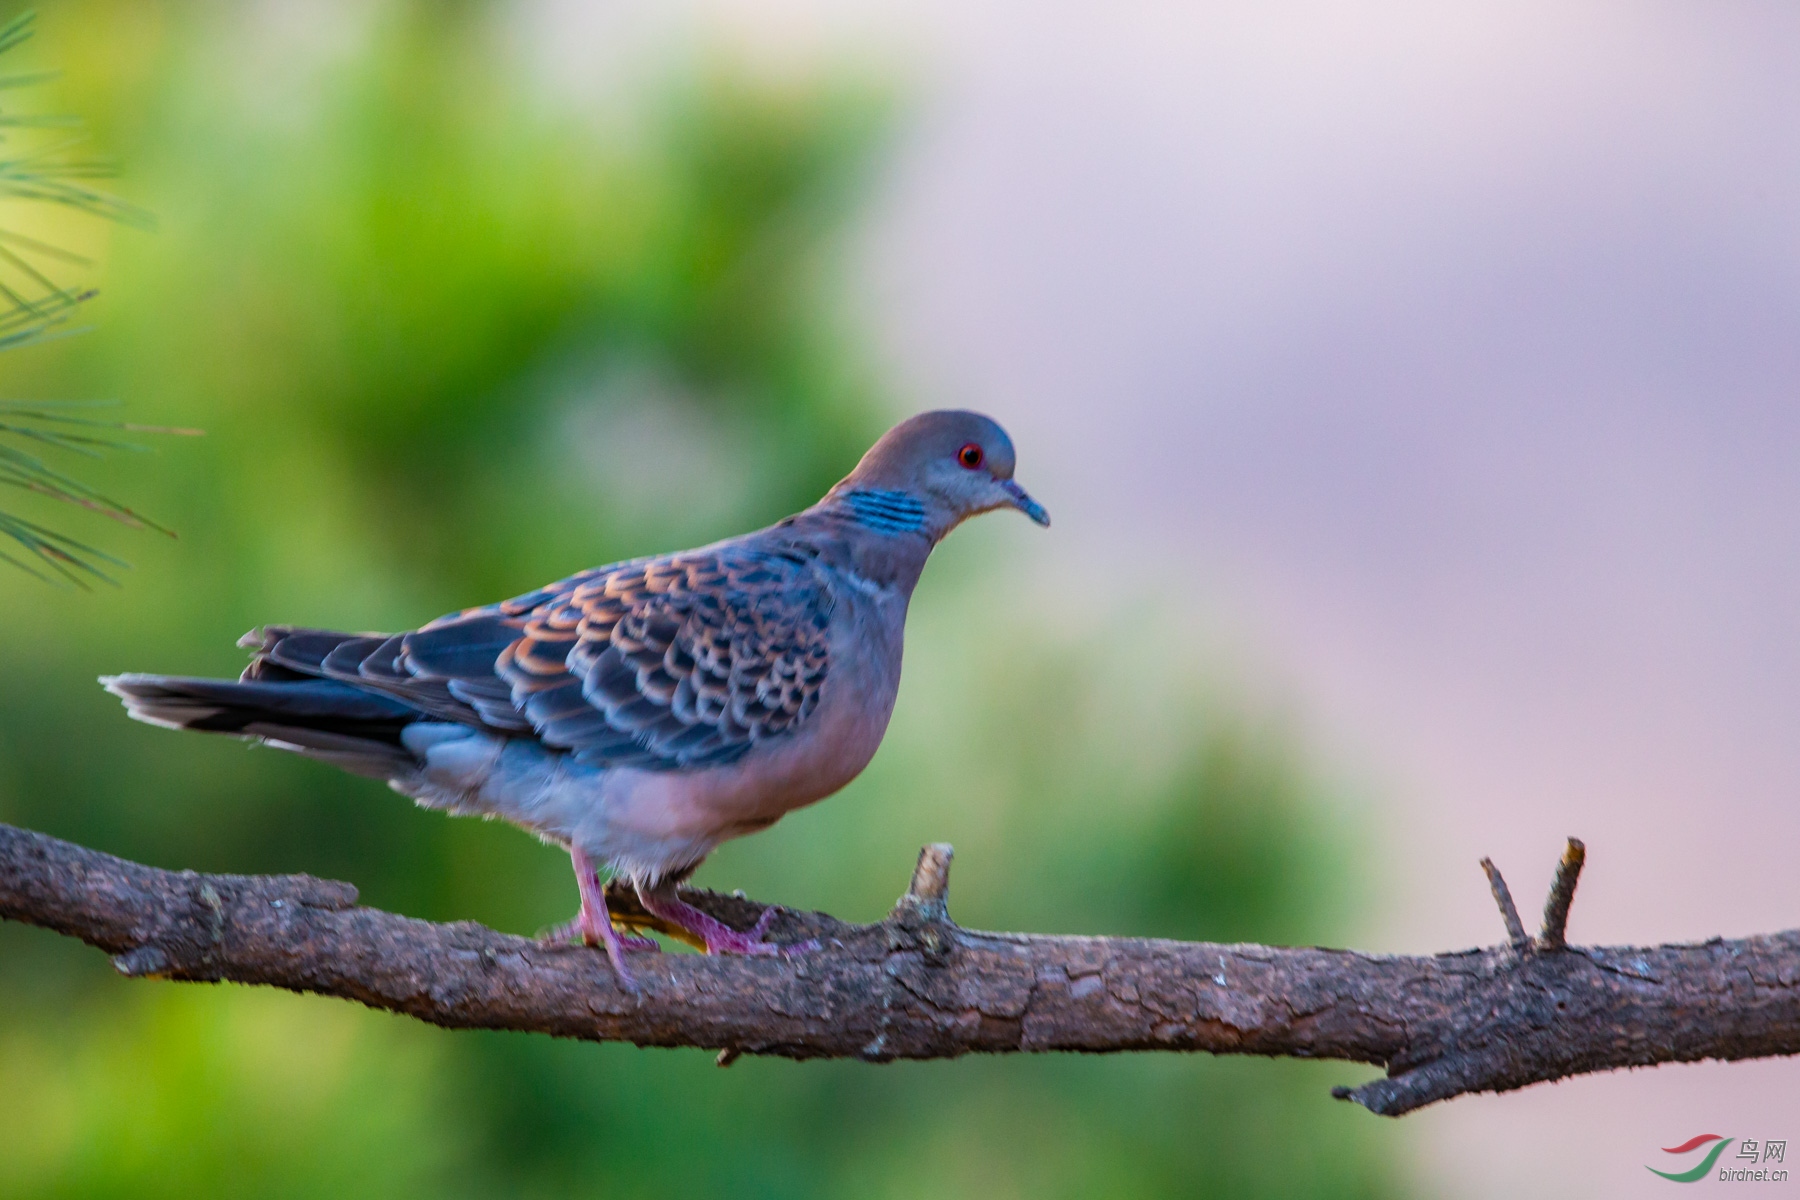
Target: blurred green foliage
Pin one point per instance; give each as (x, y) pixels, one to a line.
(450, 339)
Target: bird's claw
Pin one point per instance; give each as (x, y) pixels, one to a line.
(724, 940)
(768, 918)
(634, 941)
(577, 930)
(557, 935)
(761, 928)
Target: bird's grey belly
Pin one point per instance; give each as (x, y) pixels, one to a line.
(468, 772)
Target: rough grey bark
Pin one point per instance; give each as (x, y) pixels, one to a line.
(916, 985)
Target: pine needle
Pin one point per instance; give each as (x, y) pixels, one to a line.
(35, 308)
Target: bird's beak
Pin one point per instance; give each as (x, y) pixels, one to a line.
(1022, 501)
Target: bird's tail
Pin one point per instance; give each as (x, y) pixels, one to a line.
(339, 723)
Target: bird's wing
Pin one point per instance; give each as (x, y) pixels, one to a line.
(681, 661)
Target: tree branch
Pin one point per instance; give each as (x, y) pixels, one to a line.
(1562, 894)
(916, 985)
(1509, 912)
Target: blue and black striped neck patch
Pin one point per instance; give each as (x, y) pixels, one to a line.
(885, 511)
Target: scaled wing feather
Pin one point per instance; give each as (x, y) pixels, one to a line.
(664, 663)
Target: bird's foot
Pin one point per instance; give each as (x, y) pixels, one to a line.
(726, 940)
(594, 923)
(761, 928)
(578, 929)
(719, 937)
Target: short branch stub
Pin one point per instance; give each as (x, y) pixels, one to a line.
(928, 895)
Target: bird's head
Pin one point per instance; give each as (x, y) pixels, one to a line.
(953, 464)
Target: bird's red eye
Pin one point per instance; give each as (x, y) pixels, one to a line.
(970, 456)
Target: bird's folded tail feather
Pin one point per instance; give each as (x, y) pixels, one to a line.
(338, 723)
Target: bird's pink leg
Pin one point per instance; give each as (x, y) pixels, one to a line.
(594, 923)
(719, 937)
